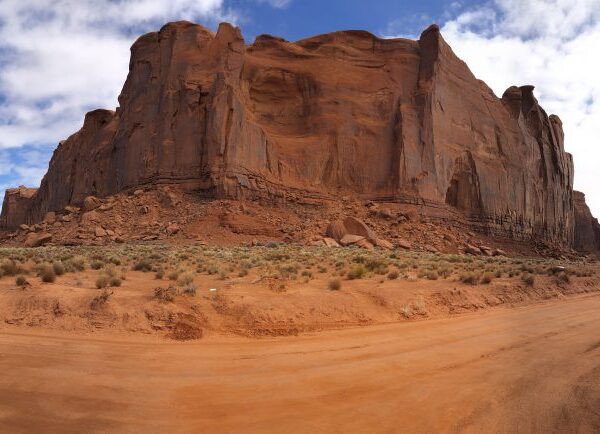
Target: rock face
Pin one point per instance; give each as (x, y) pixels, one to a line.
(344, 113)
(587, 228)
(16, 206)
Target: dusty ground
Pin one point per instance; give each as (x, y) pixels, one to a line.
(408, 341)
(189, 292)
(527, 369)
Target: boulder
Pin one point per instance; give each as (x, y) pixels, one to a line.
(472, 250)
(167, 198)
(89, 217)
(50, 218)
(431, 249)
(330, 242)
(90, 203)
(486, 251)
(384, 244)
(173, 228)
(365, 244)
(404, 244)
(350, 239)
(37, 239)
(355, 226)
(106, 206)
(100, 232)
(336, 230)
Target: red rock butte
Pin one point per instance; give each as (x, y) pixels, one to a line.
(345, 113)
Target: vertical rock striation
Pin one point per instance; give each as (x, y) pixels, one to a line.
(587, 228)
(340, 113)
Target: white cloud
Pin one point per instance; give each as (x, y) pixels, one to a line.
(551, 44)
(279, 4)
(64, 57)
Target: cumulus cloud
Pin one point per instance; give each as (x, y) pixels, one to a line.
(64, 57)
(551, 44)
(279, 4)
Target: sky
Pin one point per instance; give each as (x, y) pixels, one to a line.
(62, 58)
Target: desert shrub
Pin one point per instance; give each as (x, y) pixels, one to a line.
(165, 294)
(498, 274)
(21, 281)
(563, 278)
(306, 273)
(486, 278)
(98, 301)
(173, 275)
(377, 266)
(185, 279)
(114, 281)
(96, 264)
(357, 272)
(393, 275)
(102, 281)
(143, 265)
(469, 278)
(160, 273)
(59, 268)
(528, 278)
(47, 274)
(444, 272)
(243, 272)
(9, 267)
(76, 263)
(527, 269)
(359, 259)
(431, 275)
(190, 290)
(334, 284)
(114, 260)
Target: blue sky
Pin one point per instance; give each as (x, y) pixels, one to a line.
(302, 18)
(61, 58)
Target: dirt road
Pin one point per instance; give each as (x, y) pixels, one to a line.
(530, 369)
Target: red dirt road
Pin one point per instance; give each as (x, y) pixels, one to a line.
(529, 369)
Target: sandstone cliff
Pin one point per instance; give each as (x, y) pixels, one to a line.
(587, 228)
(344, 113)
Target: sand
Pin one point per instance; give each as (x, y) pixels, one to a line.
(527, 369)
